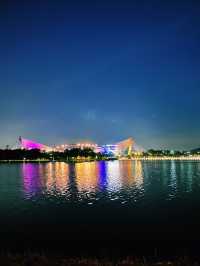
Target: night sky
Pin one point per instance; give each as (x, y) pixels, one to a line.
(100, 70)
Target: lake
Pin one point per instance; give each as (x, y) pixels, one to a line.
(86, 206)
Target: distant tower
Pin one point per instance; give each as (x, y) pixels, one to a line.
(20, 142)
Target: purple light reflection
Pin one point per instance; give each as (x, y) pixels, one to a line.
(32, 182)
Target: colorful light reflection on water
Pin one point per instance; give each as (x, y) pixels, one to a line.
(83, 179)
(100, 199)
(124, 181)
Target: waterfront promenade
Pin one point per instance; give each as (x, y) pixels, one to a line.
(148, 158)
(165, 158)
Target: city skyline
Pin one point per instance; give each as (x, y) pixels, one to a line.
(101, 71)
(28, 144)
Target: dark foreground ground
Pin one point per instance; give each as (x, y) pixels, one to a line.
(93, 249)
(43, 260)
(109, 241)
(100, 245)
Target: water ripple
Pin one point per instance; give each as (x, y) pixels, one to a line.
(126, 182)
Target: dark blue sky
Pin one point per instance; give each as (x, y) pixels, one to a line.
(100, 70)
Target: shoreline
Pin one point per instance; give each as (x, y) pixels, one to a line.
(55, 161)
(181, 158)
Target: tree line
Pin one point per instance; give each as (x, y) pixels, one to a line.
(81, 154)
(36, 154)
(159, 153)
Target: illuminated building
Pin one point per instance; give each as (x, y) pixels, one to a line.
(108, 149)
(122, 148)
(30, 145)
(125, 147)
(83, 145)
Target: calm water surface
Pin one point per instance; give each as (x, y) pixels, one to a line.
(100, 202)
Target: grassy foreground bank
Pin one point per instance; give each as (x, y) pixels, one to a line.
(42, 260)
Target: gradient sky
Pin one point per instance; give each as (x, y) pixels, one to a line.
(100, 70)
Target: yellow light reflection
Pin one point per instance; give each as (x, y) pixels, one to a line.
(138, 173)
(126, 172)
(61, 176)
(87, 175)
(57, 176)
(49, 176)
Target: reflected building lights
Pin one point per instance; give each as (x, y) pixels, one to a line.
(114, 176)
(126, 181)
(48, 175)
(121, 174)
(87, 176)
(31, 179)
(138, 173)
(173, 180)
(57, 177)
(102, 170)
(61, 176)
(52, 177)
(92, 177)
(189, 176)
(126, 170)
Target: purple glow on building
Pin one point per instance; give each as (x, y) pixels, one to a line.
(121, 148)
(30, 145)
